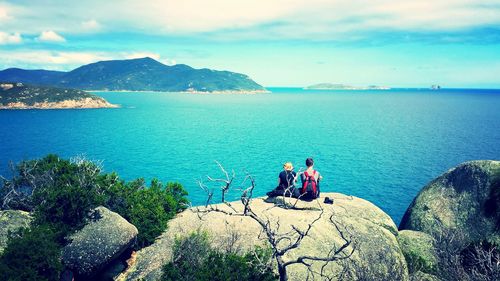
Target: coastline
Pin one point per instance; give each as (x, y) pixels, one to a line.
(225, 92)
(86, 103)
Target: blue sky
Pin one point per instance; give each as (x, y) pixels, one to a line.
(455, 43)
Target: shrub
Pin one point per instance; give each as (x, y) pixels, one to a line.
(194, 259)
(31, 254)
(148, 208)
(62, 192)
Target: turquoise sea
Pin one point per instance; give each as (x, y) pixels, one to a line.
(383, 146)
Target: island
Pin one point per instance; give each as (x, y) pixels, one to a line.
(331, 86)
(144, 74)
(21, 96)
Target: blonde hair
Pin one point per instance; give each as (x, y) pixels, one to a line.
(288, 166)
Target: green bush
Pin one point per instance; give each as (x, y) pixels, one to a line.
(195, 260)
(31, 254)
(60, 193)
(148, 208)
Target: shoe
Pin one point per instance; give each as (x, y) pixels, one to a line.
(328, 200)
(271, 194)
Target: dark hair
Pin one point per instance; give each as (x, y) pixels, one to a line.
(309, 162)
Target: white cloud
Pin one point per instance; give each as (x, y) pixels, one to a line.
(50, 36)
(138, 55)
(65, 60)
(3, 13)
(91, 25)
(54, 60)
(155, 56)
(10, 38)
(281, 18)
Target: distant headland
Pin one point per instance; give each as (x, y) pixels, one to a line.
(22, 96)
(144, 74)
(331, 86)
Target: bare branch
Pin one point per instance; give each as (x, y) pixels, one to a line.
(291, 239)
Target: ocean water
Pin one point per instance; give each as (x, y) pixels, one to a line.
(383, 146)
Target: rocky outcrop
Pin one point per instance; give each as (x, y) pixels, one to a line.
(372, 232)
(10, 221)
(66, 104)
(463, 200)
(101, 240)
(418, 249)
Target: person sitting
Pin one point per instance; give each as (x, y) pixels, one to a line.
(310, 182)
(286, 182)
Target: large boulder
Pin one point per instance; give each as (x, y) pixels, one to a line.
(10, 221)
(419, 250)
(372, 232)
(101, 240)
(464, 200)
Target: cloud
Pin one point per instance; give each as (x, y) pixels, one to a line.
(10, 38)
(66, 60)
(50, 36)
(52, 59)
(3, 13)
(91, 25)
(155, 56)
(243, 19)
(137, 55)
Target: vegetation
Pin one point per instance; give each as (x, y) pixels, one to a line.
(31, 254)
(144, 74)
(60, 194)
(492, 204)
(195, 260)
(32, 94)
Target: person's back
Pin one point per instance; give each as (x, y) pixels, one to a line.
(286, 182)
(286, 179)
(310, 181)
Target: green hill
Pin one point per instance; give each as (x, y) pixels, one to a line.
(145, 74)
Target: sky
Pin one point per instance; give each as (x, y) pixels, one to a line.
(454, 43)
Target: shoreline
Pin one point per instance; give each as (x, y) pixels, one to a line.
(225, 92)
(86, 103)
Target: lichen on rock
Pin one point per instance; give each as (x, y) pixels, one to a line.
(11, 221)
(377, 250)
(456, 201)
(418, 249)
(102, 239)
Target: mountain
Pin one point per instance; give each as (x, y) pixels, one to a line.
(42, 77)
(144, 74)
(22, 96)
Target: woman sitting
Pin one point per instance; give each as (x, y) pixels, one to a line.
(286, 182)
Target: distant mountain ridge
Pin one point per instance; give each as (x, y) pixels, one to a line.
(144, 74)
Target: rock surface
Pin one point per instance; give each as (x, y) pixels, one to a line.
(418, 249)
(20, 96)
(373, 233)
(422, 276)
(458, 201)
(101, 240)
(12, 220)
(67, 104)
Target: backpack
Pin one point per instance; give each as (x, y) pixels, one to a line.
(310, 186)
